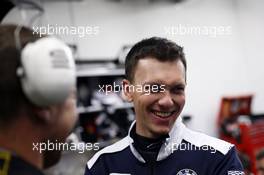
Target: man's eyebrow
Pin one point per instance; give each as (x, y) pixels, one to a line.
(155, 82)
(178, 84)
(158, 82)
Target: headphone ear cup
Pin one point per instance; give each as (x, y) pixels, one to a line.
(48, 71)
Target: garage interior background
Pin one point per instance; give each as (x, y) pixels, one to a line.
(228, 64)
(218, 65)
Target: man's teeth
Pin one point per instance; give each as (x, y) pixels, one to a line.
(162, 114)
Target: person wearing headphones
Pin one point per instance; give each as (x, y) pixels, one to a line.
(158, 143)
(37, 99)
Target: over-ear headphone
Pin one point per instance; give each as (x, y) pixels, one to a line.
(47, 71)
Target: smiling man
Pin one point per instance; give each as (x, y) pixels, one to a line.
(158, 142)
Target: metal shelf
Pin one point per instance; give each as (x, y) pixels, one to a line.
(89, 109)
(110, 109)
(99, 69)
(99, 72)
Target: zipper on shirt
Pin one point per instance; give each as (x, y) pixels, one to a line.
(152, 167)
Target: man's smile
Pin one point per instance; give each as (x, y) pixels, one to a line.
(163, 114)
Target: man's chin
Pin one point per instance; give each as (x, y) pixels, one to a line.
(161, 132)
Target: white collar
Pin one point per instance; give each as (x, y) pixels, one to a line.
(175, 138)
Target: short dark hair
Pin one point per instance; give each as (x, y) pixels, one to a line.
(158, 48)
(260, 155)
(12, 97)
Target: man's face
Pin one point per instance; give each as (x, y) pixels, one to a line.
(66, 117)
(156, 112)
(260, 167)
(64, 120)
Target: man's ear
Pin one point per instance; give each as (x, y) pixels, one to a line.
(43, 115)
(127, 92)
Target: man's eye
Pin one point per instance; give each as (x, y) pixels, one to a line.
(178, 90)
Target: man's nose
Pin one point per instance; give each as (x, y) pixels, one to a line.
(166, 100)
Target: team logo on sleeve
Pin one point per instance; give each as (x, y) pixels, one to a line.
(186, 172)
(236, 173)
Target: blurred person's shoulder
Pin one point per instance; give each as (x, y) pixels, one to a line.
(12, 164)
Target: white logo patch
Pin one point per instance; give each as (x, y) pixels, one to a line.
(186, 172)
(235, 173)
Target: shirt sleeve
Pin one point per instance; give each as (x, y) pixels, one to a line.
(98, 168)
(87, 171)
(229, 164)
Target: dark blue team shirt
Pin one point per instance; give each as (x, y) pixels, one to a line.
(185, 153)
